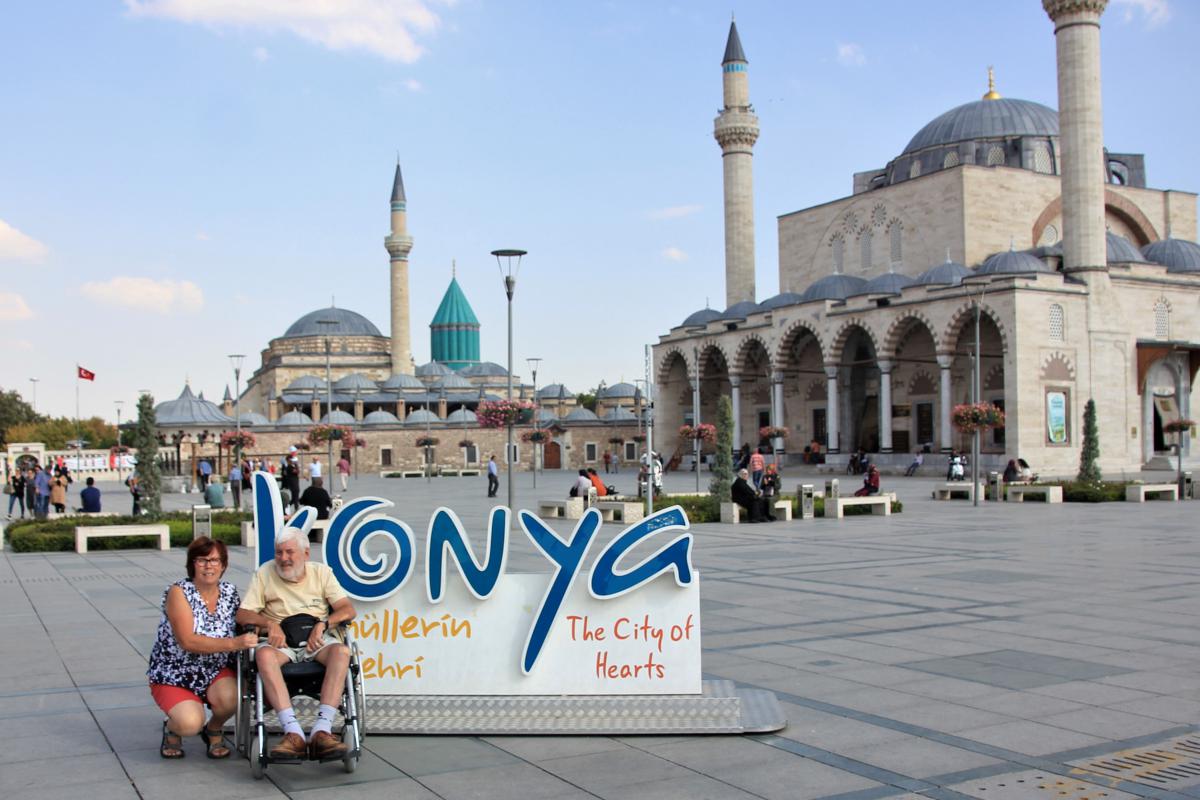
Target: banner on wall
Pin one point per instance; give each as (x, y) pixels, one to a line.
(1056, 417)
(459, 624)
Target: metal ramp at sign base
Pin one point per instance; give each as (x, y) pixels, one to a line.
(721, 707)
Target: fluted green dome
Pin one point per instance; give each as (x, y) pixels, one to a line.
(454, 331)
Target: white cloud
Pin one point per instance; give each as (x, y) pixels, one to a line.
(386, 28)
(674, 254)
(413, 85)
(850, 54)
(1156, 12)
(146, 294)
(13, 307)
(261, 54)
(201, 236)
(674, 212)
(17, 246)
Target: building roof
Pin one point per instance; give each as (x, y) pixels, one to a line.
(779, 300)
(380, 417)
(620, 390)
(833, 287)
(454, 308)
(400, 382)
(461, 415)
(452, 381)
(556, 390)
(948, 273)
(187, 409)
(887, 283)
(739, 310)
(1120, 250)
(347, 323)
(253, 418)
(1011, 262)
(338, 417)
(987, 119)
(1177, 255)
(701, 318)
(294, 418)
(354, 382)
(486, 369)
(398, 185)
(733, 46)
(433, 369)
(581, 414)
(305, 383)
(619, 414)
(420, 416)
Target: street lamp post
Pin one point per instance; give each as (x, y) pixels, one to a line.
(118, 404)
(236, 360)
(327, 323)
(34, 381)
(976, 303)
(537, 445)
(504, 260)
(696, 418)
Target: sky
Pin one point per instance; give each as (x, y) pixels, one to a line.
(182, 179)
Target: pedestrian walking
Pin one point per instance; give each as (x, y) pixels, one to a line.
(343, 467)
(15, 489)
(607, 461)
(493, 475)
(235, 485)
(135, 492)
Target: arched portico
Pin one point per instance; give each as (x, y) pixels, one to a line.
(916, 407)
(960, 359)
(806, 407)
(1166, 395)
(751, 391)
(859, 373)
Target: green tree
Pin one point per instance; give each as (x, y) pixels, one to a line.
(722, 477)
(57, 432)
(1089, 470)
(13, 411)
(145, 443)
(587, 399)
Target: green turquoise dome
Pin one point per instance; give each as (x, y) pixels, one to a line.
(454, 331)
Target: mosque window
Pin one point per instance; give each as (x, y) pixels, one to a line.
(385, 456)
(896, 254)
(914, 171)
(1057, 319)
(839, 248)
(951, 160)
(1162, 320)
(866, 250)
(1049, 236)
(995, 156)
(1041, 159)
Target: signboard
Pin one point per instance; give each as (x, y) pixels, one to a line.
(627, 627)
(1056, 417)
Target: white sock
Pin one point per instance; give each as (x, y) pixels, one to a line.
(287, 718)
(325, 715)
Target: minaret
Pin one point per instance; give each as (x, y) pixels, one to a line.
(736, 130)
(398, 245)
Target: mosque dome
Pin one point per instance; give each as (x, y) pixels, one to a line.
(581, 414)
(779, 300)
(1120, 250)
(701, 318)
(619, 390)
(1011, 262)
(306, 383)
(452, 381)
(948, 273)
(454, 331)
(421, 416)
(484, 369)
(380, 417)
(294, 418)
(432, 370)
(887, 283)
(833, 287)
(187, 409)
(461, 415)
(619, 414)
(555, 391)
(1177, 255)
(348, 323)
(338, 417)
(400, 382)
(986, 119)
(253, 418)
(739, 310)
(355, 382)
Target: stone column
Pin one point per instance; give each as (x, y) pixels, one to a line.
(735, 396)
(831, 407)
(944, 360)
(441, 411)
(885, 406)
(273, 409)
(400, 412)
(358, 409)
(315, 409)
(777, 419)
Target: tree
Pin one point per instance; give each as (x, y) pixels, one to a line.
(587, 399)
(1089, 470)
(723, 468)
(146, 445)
(13, 411)
(59, 433)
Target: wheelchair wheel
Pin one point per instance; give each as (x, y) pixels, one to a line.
(354, 748)
(257, 756)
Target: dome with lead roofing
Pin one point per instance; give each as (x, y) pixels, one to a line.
(948, 273)
(1120, 250)
(380, 417)
(887, 283)
(833, 287)
(399, 383)
(188, 409)
(294, 418)
(701, 318)
(1177, 255)
(779, 300)
(338, 417)
(345, 323)
(1012, 262)
(996, 118)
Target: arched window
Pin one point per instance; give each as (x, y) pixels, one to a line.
(866, 251)
(1057, 323)
(839, 248)
(951, 160)
(914, 171)
(995, 156)
(1162, 320)
(896, 253)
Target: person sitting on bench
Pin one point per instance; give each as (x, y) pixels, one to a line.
(870, 483)
(757, 507)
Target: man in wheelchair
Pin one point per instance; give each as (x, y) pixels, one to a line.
(287, 602)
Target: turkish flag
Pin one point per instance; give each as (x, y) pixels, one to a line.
(86, 374)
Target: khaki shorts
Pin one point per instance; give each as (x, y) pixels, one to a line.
(298, 655)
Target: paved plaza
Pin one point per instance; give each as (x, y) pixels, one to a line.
(1008, 651)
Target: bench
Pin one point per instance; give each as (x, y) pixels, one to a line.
(468, 473)
(85, 532)
(879, 503)
(620, 510)
(1140, 492)
(783, 510)
(731, 513)
(571, 508)
(449, 472)
(1016, 492)
(413, 473)
(947, 491)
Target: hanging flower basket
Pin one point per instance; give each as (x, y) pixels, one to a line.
(427, 441)
(704, 432)
(616, 440)
(324, 432)
(232, 440)
(535, 437)
(302, 446)
(360, 442)
(1178, 426)
(466, 443)
(502, 413)
(971, 417)
(772, 432)
(638, 437)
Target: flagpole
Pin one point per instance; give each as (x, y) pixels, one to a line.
(78, 435)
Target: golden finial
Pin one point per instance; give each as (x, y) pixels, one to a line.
(992, 94)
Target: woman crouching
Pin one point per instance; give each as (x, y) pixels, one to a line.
(190, 662)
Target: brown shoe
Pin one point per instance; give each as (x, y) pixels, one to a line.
(322, 745)
(292, 745)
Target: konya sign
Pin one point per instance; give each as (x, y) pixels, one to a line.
(620, 629)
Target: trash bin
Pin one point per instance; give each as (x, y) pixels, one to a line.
(201, 521)
(1189, 488)
(806, 501)
(995, 486)
(831, 488)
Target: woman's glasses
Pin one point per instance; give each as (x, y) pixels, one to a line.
(209, 562)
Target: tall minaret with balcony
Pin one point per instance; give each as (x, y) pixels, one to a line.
(736, 130)
(399, 244)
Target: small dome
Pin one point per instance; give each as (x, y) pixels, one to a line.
(461, 415)
(619, 414)
(833, 287)
(346, 323)
(546, 415)
(1120, 250)
(253, 418)
(452, 381)
(581, 414)
(987, 119)
(739, 310)
(887, 283)
(484, 369)
(555, 391)
(306, 383)
(779, 300)
(380, 417)
(399, 383)
(294, 418)
(1011, 262)
(620, 390)
(187, 409)
(701, 318)
(948, 273)
(1177, 255)
(338, 417)
(420, 416)
(355, 382)
(432, 370)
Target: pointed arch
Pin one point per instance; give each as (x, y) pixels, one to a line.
(902, 326)
(843, 332)
(667, 358)
(791, 334)
(745, 348)
(965, 313)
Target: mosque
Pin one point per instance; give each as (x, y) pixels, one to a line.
(1001, 219)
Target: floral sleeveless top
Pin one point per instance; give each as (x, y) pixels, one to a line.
(170, 664)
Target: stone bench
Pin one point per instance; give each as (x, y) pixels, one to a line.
(468, 473)
(85, 532)
(620, 510)
(1140, 492)
(1015, 493)
(783, 510)
(413, 473)
(947, 491)
(731, 513)
(571, 508)
(879, 504)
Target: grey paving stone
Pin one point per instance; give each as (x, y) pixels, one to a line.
(1030, 738)
(596, 770)
(21, 778)
(405, 788)
(508, 782)
(916, 757)
(331, 776)
(1106, 723)
(419, 756)
(543, 748)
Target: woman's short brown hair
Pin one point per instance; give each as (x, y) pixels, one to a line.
(201, 547)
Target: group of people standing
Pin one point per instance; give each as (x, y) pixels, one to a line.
(38, 488)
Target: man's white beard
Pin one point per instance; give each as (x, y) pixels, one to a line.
(292, 574)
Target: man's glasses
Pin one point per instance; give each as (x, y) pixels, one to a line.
(209, 562)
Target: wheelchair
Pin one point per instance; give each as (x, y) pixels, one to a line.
(303, 680)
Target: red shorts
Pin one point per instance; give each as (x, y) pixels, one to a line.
(168, 696)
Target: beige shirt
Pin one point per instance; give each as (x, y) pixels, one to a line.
(277, 599)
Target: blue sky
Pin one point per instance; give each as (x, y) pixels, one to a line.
(181, 179)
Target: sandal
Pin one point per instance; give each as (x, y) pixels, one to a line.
(172, 744)
(217, 748)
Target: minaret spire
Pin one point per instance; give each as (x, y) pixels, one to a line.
(399, 245)
(736, 130)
